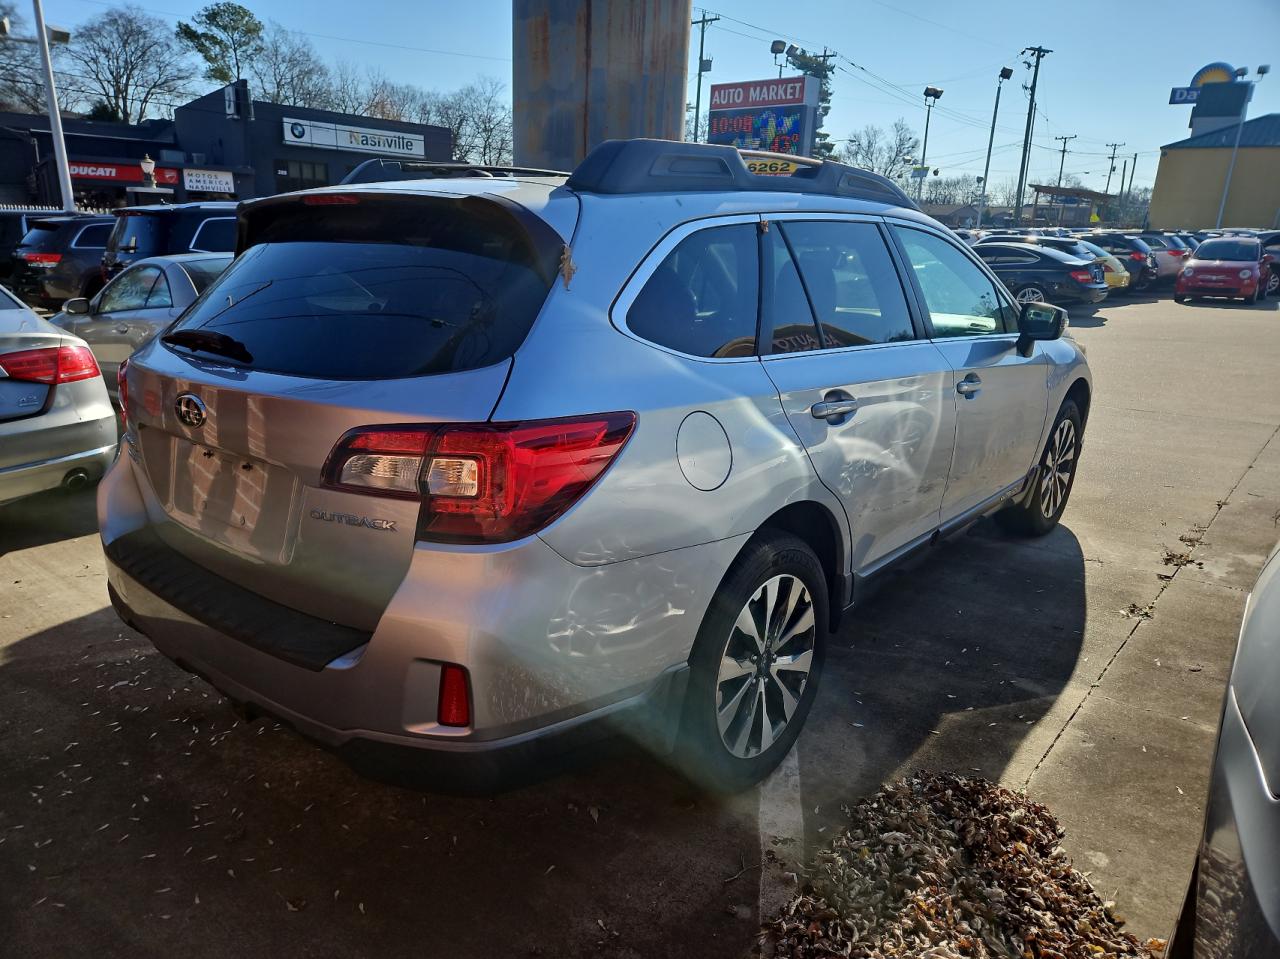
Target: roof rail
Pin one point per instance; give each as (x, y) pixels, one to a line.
(668, 166)
(381, 169)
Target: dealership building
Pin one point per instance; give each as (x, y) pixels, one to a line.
(218, 147)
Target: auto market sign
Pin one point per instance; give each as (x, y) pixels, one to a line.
(776, 115)
(1218, 72)
(339, 136)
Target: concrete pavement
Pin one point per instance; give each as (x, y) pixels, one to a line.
(139, 818)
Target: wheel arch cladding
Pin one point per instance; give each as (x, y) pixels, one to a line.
(1079, 391)
(813, 523)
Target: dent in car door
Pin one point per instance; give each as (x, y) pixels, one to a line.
(1001, 396)
(869, 401)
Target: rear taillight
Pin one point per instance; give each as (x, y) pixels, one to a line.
(484, 482)
(1081, 276)
(52, 365)
(330, 199)
(122, 391)
(1138, 257)
(454, 705)
(45, 261)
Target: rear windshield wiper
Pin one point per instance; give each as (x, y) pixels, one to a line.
(207, 341)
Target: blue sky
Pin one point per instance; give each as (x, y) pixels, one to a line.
(1107, 80)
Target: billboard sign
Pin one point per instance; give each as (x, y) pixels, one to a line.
(775, 115)
(1209, 73)
(339, 136)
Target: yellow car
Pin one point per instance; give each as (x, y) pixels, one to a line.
(1113, 269)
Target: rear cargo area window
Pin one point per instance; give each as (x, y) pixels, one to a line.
(378, 291)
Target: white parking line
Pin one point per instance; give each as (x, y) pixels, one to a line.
(781, 828)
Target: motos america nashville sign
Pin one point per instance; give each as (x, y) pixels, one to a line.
(338, 136)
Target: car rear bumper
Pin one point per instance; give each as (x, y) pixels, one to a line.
(553, 650)
(1234, 906)
(50, 473)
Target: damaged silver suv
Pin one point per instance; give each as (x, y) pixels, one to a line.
(488, 467)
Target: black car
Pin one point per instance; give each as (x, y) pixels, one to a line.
(143, 231)
(1035, 273)
(59, 258)
(1137, 257)
(14, 225)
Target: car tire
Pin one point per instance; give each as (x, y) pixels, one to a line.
(1179, 299)
(1029, 294)
(1273, 283)
(738, 692)
(1038, 513)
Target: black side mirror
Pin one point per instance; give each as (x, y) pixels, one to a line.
(78, 306)
(1039, 321)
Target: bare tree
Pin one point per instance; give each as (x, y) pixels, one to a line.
(871, 148)
(288, 70)
(21, 75)
(490, 133)
(131, 62)
(951, 189)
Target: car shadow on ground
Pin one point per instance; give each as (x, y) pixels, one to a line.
(47, 518)
(140, 817)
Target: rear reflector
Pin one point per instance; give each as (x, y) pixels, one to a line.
(454, 707)
(483, 482)
(52, 365)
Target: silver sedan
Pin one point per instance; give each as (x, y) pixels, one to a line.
(57, 426)
(137, 304)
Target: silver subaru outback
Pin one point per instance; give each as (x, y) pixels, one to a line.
(490, 467)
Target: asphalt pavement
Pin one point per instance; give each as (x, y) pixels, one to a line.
(139, 817)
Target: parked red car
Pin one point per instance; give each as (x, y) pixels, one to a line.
(1227, 266)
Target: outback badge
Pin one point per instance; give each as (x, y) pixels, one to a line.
(350, 519)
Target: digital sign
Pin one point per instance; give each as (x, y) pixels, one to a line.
(774, 115)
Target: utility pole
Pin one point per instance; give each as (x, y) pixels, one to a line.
(1244, 112)
(1063, 161)
(55, 115)
(1005, 74)
(1112, 168)
(703, 67)
(1133, 168)
(1039, 53)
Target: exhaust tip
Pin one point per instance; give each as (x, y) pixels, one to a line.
(76, 479)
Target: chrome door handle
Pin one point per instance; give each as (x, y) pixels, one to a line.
(970, 385)
(832, 409)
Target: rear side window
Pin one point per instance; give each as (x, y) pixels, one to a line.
(702, 300)
(850, 281)
(92, 237)
(204, 272)
(215, 236)
(381, 289)
(139, 233)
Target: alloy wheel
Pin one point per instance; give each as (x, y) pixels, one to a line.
(765, 665)
(1055, 472)
(1031, 294)
(1273, 283)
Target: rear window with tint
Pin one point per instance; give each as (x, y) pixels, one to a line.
(148, 233)
(1228, 250)
(204, 272)
(458, 289)
(40, 238)
(215, 236)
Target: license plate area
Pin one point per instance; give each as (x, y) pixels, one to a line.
(240, 502)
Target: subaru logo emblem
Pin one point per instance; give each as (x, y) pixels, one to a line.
(191, 411)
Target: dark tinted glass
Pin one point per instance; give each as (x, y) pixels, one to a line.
(1228, 250)
(336, 310)
(40, 238)
(703, 299)
(788, 314)
(851, 282)
(93, 237)
(148, 233)
(215, 236)
(204, 272)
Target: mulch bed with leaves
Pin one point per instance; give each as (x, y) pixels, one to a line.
(944, 867)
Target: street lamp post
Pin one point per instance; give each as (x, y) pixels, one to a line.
(1263, 70)
(1005, 74)
(148, 166)
(931, 95)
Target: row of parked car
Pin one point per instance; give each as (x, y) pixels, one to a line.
(1084, 266)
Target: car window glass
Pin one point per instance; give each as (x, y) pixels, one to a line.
(702, 299)
(160, 296)
(215, 236)
(1155, 242)
(961, 299)
(204, 272)
(128, 291)
(93, 237)
(141, 233)
(788, 314)
(1227, 250)
(851, 282)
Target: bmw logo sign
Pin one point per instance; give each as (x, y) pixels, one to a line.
(298, 130)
